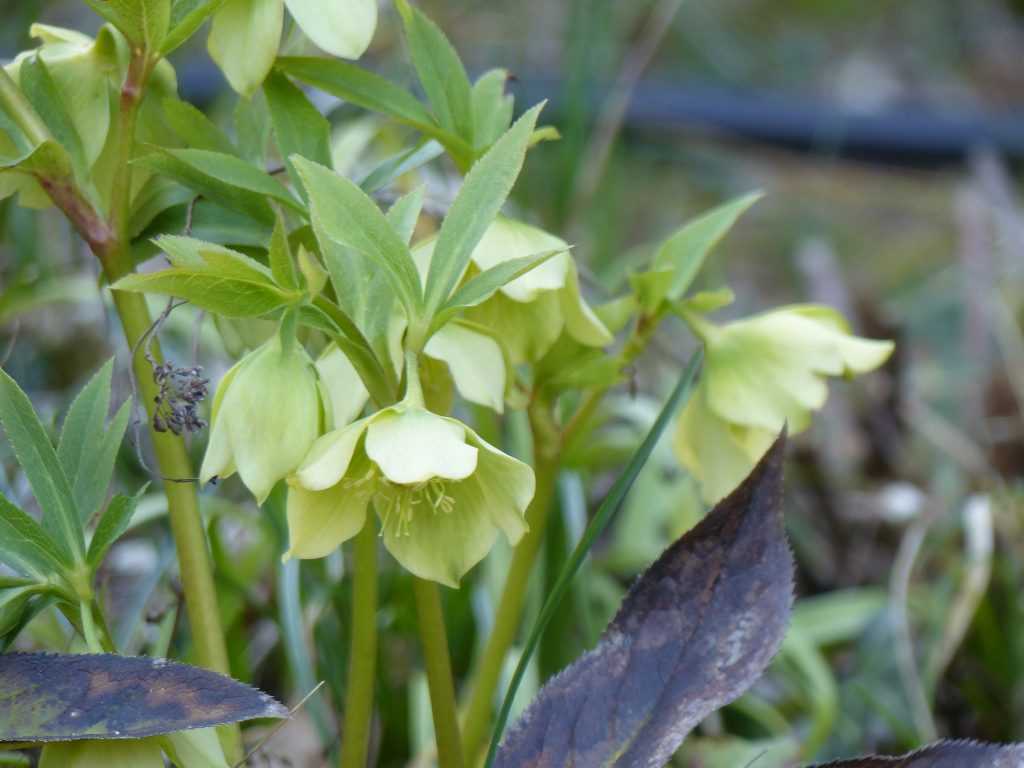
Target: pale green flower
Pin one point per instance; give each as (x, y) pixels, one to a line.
(529, 313)
(187, 749)
(245, 34)
(266, 415)
(760, 374)
(442, 493)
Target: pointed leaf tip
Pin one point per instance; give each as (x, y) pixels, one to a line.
(695, 631)
(65, 697)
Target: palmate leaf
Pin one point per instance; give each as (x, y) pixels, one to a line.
(65, 697)
(944, 754)
(695, 631)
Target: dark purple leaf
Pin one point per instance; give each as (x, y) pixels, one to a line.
(695, 631)
(63, 697)
(944, 754)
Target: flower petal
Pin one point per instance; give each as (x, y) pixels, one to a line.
(527, 331)
(346, 395)
(507, 239)
(340, 27)
(580, 320)
(329, 458)
(320, 521)
(198, 748)
(506, 485)
(412, 445)
(442, 545)
(244, 38)
(476, 363)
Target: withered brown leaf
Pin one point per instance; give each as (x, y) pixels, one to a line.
(694, 632)
(62, 697)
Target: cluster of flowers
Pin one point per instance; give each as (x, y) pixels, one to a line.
(442, 492)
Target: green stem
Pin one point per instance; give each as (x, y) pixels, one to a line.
(92, 639)
(480, 706)
(362, 660)
(434, 641)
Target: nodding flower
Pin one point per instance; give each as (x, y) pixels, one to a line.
(441, 492)
(266, 414)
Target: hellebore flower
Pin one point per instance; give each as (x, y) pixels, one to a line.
(761, 373)
(266, 415)
(245, 34)
(442, 493)
(529, 313)
(196, 749)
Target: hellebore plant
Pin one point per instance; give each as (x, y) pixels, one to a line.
(404, 378)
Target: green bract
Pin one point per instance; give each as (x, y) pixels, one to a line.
(266, 414)
(529, 313)
(441, 491)
(245, 34)
(762, 373)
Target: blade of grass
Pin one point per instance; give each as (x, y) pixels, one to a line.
(594, 529)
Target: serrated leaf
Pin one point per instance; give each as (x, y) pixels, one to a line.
(360, 87)
(224, 179)
(944, 754)
(484, 191)
(41, 91)
(186, 17)
(143, 22)
(299, 128)
(87, 449)
(64, 697)
(684, 252)
(399, 165)
(231, 297)
(112, 525)
(195, 128)
(26, 547)
(440, 71)
(346, 215)
(695, 631)
(282, 265)
(38, 459)
(481, 287)
(492, 108)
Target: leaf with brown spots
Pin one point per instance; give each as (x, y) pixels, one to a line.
(63, 697)
(695, 631)
(945, 754)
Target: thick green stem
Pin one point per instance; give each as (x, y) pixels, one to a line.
(434, 641)
(480, 706)
(362, 660)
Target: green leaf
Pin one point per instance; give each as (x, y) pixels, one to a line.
(684, 252)
(405, 212)
(39, 460)
(26, 547)
(395, 167)
(144, 22)
(41, 91)
(231, 297)
(481, 287)
(157, 196)
(346, 215)
(48, 160)
(299, 128)
(482, 194)
(225, 179)
(46, 697)
(440, 71)
(597, 524)
(186, 17)
(282, 265)
(87, 451)
(112, 525)
(492, 108)
(196, 129)
(360, 87)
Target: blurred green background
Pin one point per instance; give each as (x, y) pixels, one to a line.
(888, 138)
